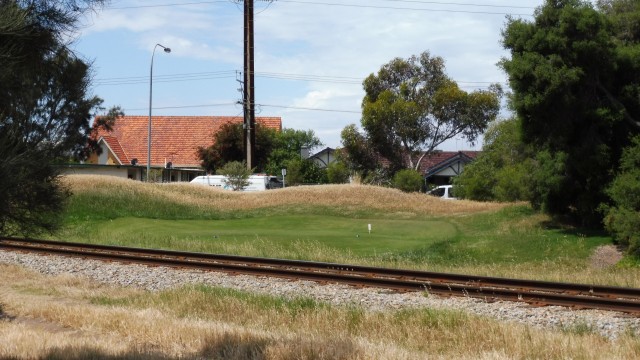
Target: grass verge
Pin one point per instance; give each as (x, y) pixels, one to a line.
(329, 223)
(76, 319)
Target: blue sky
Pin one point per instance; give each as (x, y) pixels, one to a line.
(310, 55)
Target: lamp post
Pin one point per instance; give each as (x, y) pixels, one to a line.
(167, 50)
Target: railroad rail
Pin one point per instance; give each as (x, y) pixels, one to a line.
(537, 293)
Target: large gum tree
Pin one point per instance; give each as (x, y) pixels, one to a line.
(411, 107)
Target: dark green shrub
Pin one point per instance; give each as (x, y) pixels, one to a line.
(337, 173)
(408, 180)
(623, 219)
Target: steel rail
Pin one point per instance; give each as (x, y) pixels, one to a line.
(203, 262)
(424, 276)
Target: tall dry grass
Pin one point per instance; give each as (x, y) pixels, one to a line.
(69, 318)
(349, 197)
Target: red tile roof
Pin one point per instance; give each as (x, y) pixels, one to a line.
(117, 149)
(173, 138)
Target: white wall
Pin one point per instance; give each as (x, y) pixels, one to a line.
(106, 170)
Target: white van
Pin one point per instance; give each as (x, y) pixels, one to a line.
(256, 182)
(443, 192)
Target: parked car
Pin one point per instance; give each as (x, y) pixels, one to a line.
(444, 192)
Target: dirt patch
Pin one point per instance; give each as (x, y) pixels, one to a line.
(605, 256)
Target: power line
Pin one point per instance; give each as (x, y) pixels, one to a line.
(182, 106)
(224, 74)
(235, 103)
(401, 8)
(360, 6)
(308, 109)
(165, 5)
(461, 4)
(165, 78)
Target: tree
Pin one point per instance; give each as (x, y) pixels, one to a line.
(623, 218)
(501, 171)
(412, 105)
(45, 110)
(237, 175)
(272, 150)
(625, 18)
(287, 146)
(575, 79)
(358, 155)
(228, 146)
(31, 195)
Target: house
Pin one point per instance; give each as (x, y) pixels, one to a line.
(174, 144)
(324, 157)
(439, 167)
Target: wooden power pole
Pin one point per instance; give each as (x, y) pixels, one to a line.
(249, 101)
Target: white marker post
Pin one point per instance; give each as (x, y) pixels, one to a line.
(369, 226)
(284, 173)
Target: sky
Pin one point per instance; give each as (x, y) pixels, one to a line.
(311, 56)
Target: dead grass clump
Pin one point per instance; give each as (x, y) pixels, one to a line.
(605, 256)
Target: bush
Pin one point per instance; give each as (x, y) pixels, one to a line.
(378, 177)
(408, 180)
(623, 219)
(476, 181)
(237, 174)
(337, 173)
(305, 171)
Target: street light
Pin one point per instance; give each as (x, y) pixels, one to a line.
(167, 50)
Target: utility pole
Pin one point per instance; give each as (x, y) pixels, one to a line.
(249, 101)
(248, 93)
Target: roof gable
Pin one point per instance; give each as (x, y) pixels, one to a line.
(116, 149)
(174, 139)
(436, 161)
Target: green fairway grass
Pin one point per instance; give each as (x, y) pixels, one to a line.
(511, 240)
(493, 238)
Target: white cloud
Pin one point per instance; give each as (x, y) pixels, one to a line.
(323, 40)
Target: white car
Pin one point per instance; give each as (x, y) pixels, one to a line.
(444, 192)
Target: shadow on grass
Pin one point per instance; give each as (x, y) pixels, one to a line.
(566, 227)
(233, 347)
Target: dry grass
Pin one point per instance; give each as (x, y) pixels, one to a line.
(350, 197)
(65, 317)
(68, 318)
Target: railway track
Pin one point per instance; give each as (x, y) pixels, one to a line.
(538, 293)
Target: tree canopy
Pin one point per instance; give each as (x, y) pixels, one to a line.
(411, 105)
(287, 146)
(274, 150)
(574, 72)
(502, 171)
(228, 147)
(45, 109)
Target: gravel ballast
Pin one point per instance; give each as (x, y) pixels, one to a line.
(606, 323)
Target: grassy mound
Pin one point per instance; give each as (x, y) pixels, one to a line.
(111, 197)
